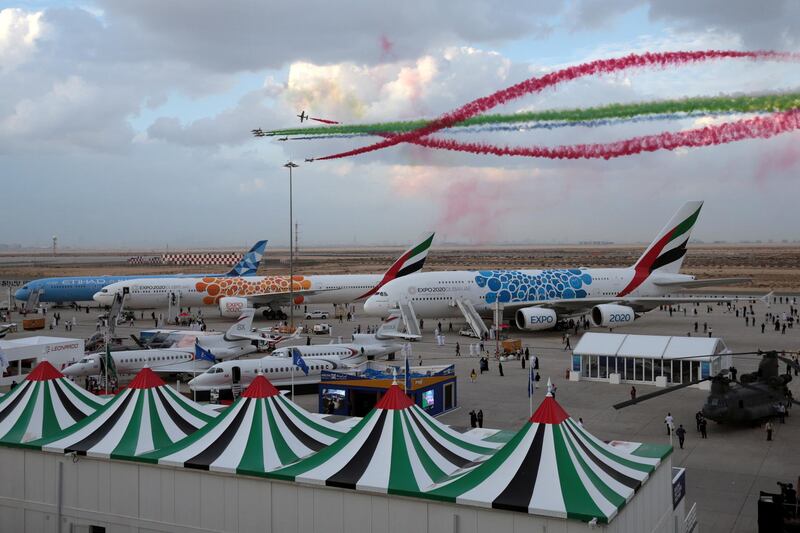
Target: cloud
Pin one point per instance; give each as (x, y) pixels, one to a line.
(252, 34)
(19, 33)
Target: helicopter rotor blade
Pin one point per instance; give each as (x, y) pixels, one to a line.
(657, 393)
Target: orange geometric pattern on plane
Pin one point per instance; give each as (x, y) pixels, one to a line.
(216, 288)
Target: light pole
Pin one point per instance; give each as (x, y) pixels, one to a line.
(290, 166)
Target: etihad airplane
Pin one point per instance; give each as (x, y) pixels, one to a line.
(192, 354)
(541, 299)
(232, 294)
(83, 288)
(278, 366)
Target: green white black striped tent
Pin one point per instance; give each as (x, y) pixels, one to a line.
(397, 448)
(260, 432)
(44, 404)
(146, 416)
(553, 467)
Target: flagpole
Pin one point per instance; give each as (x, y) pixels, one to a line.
(531, 387)
(405, 370)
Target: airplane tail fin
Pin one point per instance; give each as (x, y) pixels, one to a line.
(248, 266)
(390, 329)
(412, 260)
(668, 249)
(241, 329)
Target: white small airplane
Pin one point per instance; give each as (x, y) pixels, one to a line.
(279, 366)
(5, 329)
(540, 299)
(232, 294)
(238, 340)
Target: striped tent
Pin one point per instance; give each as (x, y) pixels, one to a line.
(145, 416)
(397, 448)
(44, 404)
(553, 467)
(260, 432)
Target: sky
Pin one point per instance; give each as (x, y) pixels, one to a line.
(126, 123)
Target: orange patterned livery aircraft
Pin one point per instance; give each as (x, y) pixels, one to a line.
(232, 294)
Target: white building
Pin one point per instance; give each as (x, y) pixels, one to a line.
(648, 359)
(25, 353)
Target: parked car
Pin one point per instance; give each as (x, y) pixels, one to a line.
(322, 329)
(467, 332)
(317, 314)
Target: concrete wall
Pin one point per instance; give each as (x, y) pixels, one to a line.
(132, 497)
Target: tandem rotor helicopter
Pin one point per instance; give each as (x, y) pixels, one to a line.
(754, 397)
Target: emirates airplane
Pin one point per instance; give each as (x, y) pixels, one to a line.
(233, 294)
(541, 299)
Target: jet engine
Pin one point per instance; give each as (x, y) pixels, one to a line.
(231, 306)
(610, 315)
(536, 318)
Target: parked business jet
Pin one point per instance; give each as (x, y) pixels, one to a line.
(278, 366)
(190, 356)
(539, 299)
(82, 288)
(233, 294)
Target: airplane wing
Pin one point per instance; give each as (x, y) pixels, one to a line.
(574, 306)
(185, 367)
(698, 283)
(282, 298)
(398, 335)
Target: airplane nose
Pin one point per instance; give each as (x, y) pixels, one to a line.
(102, 298)
(21, 294)
(373, 307)
(71, 371)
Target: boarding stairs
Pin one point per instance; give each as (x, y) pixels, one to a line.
(33, 300)
(115, 312)
(472, 317)
(409, 318)
(236, 390)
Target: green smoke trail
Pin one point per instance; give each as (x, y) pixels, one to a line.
(717, 104)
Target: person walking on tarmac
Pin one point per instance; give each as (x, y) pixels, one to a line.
(473, 419)
(500, 367)
(480, 418)
(681, 433)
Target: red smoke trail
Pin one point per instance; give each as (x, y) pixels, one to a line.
(758, 127)
(535, 85)
(324, 121)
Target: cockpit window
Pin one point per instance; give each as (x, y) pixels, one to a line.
(104, 290)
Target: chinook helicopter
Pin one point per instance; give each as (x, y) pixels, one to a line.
(754, 397)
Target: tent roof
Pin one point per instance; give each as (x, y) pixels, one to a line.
(552, 467)
(396, 448)
(145, 416)
(44, 404)
(650, 346)
(260, 432)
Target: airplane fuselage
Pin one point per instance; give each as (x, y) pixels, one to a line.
(207, 291)
(433, 294)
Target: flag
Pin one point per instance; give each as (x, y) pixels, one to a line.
(111, 369)
(531, 380)
(298, 361)
(201, 354)
(407, 385)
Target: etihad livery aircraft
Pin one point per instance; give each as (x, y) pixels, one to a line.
(83, 288)
(233, 294)
(278, 366)
(192, 354)
(540, 299)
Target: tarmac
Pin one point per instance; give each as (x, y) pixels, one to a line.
(724, 473)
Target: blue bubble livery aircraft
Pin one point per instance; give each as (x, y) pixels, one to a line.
(82, 288)
(542, 299)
